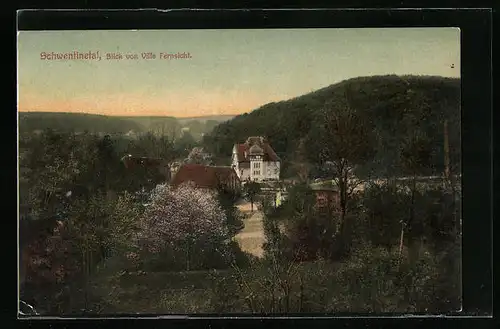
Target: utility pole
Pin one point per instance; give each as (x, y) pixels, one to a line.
(446, 153)
(449, 179)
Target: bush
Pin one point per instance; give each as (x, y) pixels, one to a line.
(372, 280)
(216, 256)
(378, 280)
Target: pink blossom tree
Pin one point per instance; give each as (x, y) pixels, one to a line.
(181, 218)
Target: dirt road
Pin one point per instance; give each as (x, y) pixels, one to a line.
(251, 238)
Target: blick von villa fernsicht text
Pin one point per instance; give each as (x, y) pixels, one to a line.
(97, 56)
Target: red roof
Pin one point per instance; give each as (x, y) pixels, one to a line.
(269, 154)
(202, 176)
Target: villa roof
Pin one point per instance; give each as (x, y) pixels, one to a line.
(243, 150)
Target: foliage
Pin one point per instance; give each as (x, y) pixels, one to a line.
(185, 144)
(153, 146)
(385, 211)
(73, 214)
(198, 156)
(300, 202)
(234, 219)
(62, 263)
(276, 243)
(372, 280)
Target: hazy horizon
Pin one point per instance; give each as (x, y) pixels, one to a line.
(132, 115)
(231, 71)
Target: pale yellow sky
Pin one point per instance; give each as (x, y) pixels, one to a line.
(230, 72)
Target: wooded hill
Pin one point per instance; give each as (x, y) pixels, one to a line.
(78, 122)
(392, 107)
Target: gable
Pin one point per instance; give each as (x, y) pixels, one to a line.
(269, 154)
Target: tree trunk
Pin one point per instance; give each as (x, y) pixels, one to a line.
(342, 231)
(84, 272)
(301, 289)
(401, 241)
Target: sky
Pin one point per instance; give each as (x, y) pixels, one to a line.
(228, 72)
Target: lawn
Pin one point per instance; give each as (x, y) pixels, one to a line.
(197, 292)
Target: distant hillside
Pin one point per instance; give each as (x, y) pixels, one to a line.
(204, 119)
(196, 126)
(386, 102)
(33, 121)
(153, 123)
(78, 122)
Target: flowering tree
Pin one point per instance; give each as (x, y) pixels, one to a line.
(182, 218)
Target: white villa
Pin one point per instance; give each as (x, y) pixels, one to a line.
(255, 160)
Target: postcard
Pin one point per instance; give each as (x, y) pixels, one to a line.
(239, 171)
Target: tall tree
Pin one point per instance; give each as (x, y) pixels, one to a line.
(301, 164)
(185, 144)
(152, 145)
(344, 140)
(199, 156)
(251, 191)
(385, 206)
(415, 155)
(227, 200)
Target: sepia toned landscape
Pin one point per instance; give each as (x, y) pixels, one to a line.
(315, 174)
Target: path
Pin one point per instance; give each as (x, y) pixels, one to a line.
(251, 237)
